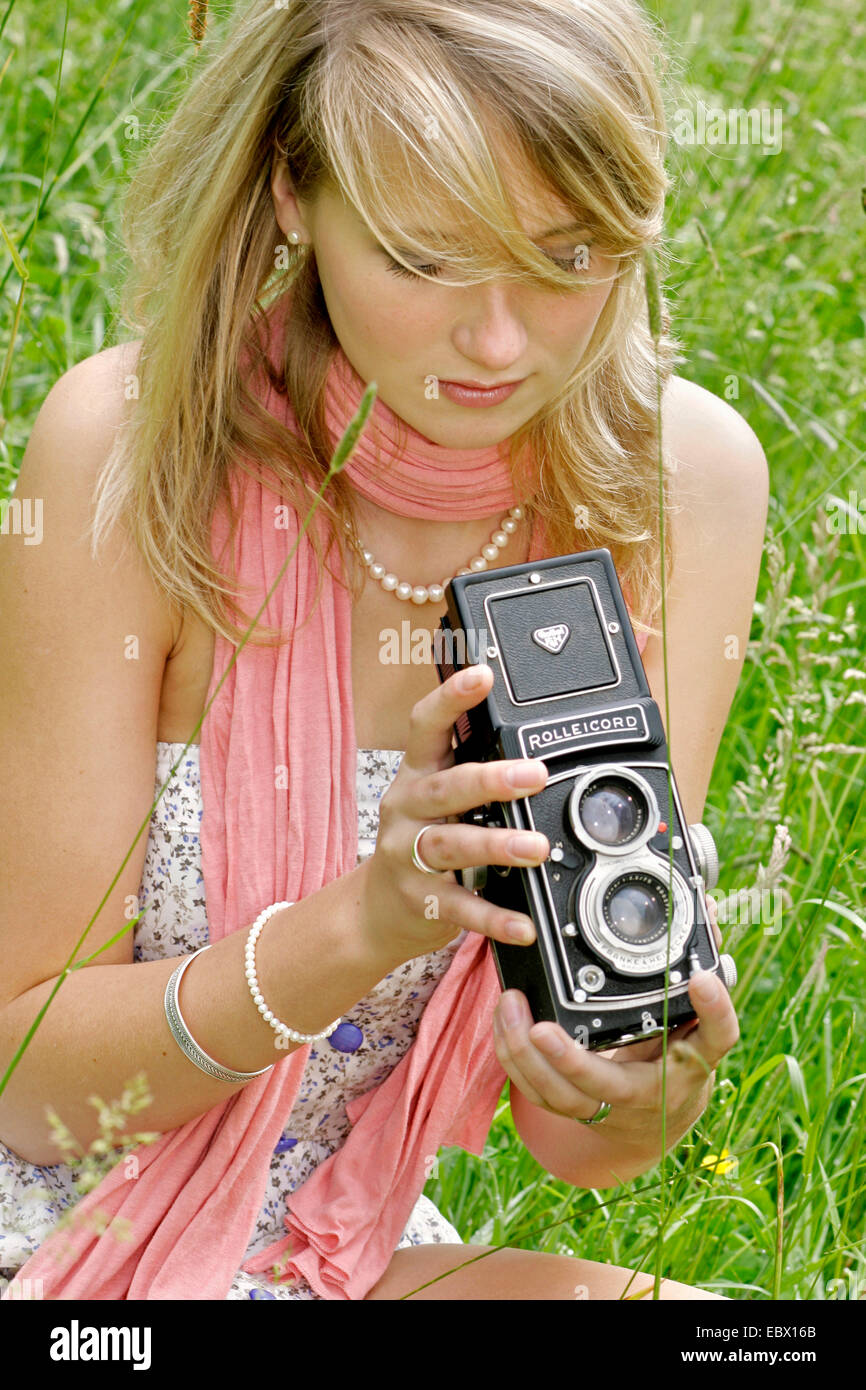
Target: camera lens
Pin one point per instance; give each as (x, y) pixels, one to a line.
(612, 811)
(635, 908)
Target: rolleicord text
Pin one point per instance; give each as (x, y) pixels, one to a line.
(622, 724)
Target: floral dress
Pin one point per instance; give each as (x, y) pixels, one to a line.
(359, 1055)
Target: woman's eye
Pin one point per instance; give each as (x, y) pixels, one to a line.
(577, 261)
(397, 269)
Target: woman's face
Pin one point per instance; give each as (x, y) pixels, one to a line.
(401, 331)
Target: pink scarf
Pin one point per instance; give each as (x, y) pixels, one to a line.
(200, 1187)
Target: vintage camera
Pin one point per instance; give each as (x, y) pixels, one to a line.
(612, 909)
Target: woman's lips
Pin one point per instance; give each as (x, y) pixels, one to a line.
(476, 396)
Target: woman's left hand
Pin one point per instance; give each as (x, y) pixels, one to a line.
(565, 1079)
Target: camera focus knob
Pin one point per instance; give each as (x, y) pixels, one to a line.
(729, 971)
(705, 853)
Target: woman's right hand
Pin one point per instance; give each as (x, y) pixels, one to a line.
(405, 912)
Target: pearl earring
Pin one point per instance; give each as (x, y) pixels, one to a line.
(294, 237)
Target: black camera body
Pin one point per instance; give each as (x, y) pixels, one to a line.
(621, 897)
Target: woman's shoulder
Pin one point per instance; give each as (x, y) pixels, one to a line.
(717, 449)
(719, 489)
(70, 442)
(87, 404)
(99, 387)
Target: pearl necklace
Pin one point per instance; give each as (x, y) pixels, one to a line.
(434, 593)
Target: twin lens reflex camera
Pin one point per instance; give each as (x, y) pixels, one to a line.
(619, 903)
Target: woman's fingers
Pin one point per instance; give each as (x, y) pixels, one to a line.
(544, 1054)
(718, 1028)
(431, 721)
(466, 911)
(461, 846)
(430, 788)
(453, 790)
(435, 787)
(619, 1080)
(401, 904)
(543, 1078)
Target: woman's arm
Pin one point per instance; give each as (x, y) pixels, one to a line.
(723, 484)
(79, 702)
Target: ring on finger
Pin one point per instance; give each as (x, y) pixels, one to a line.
(416, 855)
(601, 1114)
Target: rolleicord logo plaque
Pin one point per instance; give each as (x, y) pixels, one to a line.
(625, 723)
(552, 638)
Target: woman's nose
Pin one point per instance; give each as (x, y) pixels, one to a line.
(491, 330)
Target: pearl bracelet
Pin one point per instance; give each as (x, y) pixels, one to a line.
(250, 954)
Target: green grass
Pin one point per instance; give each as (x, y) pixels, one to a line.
(768, 250)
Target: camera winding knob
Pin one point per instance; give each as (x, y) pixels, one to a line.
(729, 970)
(705, 853)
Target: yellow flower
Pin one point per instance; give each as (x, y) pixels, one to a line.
(715, 1161)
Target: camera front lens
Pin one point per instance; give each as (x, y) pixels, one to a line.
(635, 908)
(612, 811)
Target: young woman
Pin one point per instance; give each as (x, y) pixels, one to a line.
(445, 199)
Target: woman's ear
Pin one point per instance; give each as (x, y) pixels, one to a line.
(287, 209)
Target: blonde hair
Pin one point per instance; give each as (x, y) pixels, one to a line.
(386, 100)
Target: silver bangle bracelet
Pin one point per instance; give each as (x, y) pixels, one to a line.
(184, 1039)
